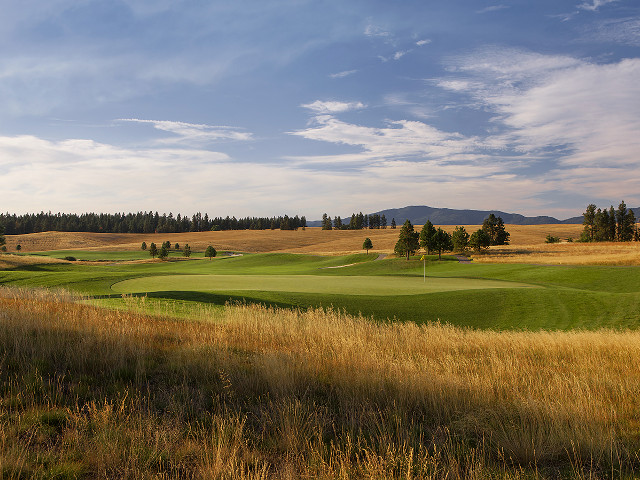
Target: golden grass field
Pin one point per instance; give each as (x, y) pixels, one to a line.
(527, 243)
(255, 393)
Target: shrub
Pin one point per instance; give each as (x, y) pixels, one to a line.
(551, 239)
(70, 258)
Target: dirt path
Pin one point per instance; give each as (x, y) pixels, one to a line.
(463, 259)
(381, 256)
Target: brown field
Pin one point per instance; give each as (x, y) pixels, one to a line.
(527, 243)
(250, 392)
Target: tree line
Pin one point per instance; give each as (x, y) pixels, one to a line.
(141, 222)
(602, 225)
(357, 221)
(492, 232)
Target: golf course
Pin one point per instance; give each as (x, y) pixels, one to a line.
(501, 295)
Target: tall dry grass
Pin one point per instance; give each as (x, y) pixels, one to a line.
(251, 392)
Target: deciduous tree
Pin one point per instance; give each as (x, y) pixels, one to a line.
(210, 252)
(367, 245)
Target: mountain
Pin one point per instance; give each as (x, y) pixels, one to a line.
(418, 215)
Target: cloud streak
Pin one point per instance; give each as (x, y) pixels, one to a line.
(193, 133)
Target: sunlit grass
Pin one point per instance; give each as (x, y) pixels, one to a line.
(251, 392)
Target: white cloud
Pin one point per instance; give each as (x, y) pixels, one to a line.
(492, 8)
(193, 133)
(421, 43)
(343, 74)
(375, 31)
(398, 55)
(594, 4)
(329, 107)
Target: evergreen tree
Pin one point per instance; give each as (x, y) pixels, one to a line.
(326, 222)
(426, 236)
(407, 243)
(460, 239)
(337, 223)
(479, 240)
(153, 250)
(143, 246)
(625, 220)
(494, 227)
(164, 252)
(367, 245)
(393, 223)
(442, 242)
(187, 251)
(18, 247)
(177, 246)
(210, 252)
(383, 221)
(588, 234)
(613, 226)
(3, 240)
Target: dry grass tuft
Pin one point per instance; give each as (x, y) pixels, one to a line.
(251, 392)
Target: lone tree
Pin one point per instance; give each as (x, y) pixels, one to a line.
(210, 252)
(479, 240)
(393, 223)
(177, 246)
(442, 242)
(460, 239)
(407, 243)
(18, 247)
(163, 253)
(494, 227)
(187, 251)
(367, 245)
(153, 250)
(143, 246)
(426, 236)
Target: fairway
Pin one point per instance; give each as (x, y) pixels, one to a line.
(352, 285)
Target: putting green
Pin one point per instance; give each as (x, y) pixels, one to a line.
(348, 285)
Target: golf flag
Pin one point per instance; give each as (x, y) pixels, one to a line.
(423, 257)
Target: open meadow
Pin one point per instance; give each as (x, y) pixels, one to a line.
(300, 356)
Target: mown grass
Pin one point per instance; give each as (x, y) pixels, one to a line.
(251, 392)
(566, 296)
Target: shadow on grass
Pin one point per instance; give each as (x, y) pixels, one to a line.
(204, 297)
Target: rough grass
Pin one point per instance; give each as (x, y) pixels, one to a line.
(250, 392)
(312, 240)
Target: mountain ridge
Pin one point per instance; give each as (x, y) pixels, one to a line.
(419, 214)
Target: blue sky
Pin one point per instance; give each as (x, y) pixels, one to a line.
(304, 107)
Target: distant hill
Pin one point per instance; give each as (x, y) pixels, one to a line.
(418, 215)
(446, 216)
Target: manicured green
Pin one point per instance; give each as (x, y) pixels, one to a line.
(499, 296)
(348, 285)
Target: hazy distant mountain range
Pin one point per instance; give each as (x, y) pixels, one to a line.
(418, 215)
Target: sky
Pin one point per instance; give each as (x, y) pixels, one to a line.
(262, 108)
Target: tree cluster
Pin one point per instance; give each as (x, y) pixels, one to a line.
(141, 222)
(358, 221)
(602, 225)
(437, 240)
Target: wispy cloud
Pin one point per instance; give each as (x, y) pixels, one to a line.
(330, 107)
(376, 31)
(423, 42)
(594, 5)
(343, 74)
(193, 133)
(492, 8)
